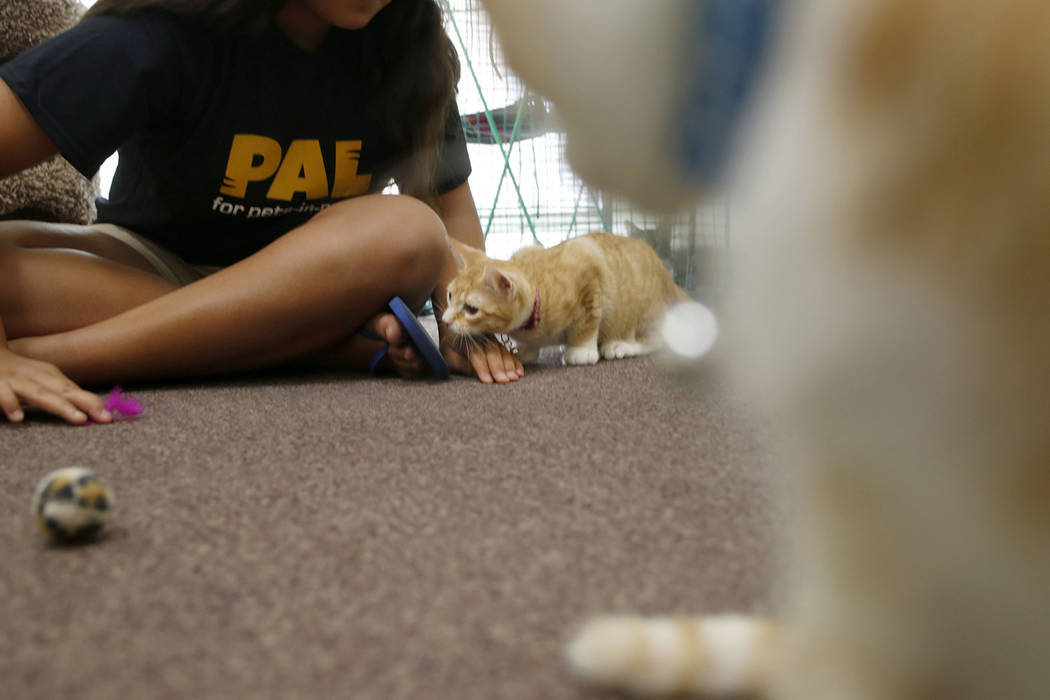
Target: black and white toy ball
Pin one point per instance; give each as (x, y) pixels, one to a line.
(72, 504)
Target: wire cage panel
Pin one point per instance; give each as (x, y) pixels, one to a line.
(526, 192)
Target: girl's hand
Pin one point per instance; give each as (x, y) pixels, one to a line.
(42, 385)
(485, 357)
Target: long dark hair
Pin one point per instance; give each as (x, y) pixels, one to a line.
(411, 68)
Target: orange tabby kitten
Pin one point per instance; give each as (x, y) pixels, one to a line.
(892, 317)
(599, 294)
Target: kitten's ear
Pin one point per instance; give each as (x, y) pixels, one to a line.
(498, 281)
(462, 253)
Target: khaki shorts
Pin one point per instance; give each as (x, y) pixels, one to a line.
(168, 265)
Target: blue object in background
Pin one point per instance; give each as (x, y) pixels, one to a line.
(724, 56)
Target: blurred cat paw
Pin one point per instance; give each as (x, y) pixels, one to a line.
(619, 349)
(581, 356)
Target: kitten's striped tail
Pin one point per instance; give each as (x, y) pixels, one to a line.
(662, 655)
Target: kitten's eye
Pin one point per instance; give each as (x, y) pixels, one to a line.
(470, 309)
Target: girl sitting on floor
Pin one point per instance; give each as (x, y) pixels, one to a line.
(244, 227)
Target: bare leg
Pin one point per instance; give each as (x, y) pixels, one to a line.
(306, 292)
(55, 278)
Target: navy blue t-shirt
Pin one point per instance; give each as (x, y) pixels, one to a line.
(226, 141)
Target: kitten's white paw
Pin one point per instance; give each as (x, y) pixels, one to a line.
(637, 654)
(604, 648)
(715, 655)
(619, 349)
(581, 356)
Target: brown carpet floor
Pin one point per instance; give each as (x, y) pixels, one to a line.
(330, 536)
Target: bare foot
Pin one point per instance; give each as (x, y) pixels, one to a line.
(357, 351)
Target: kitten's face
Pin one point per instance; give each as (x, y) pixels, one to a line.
(483, 299)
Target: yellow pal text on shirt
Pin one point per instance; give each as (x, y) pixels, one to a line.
(301, 168)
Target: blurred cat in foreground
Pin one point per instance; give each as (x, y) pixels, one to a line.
(890, 314)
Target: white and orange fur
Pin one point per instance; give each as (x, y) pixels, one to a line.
(891, 315)
(600, 295)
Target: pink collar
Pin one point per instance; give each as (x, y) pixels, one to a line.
(534, 319)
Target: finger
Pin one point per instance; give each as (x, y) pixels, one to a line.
(51, 378)
(481, 367)
(90, 403)
(511, 365)
(43, 398)
(505, 362)
(494, 356)
(10, 405)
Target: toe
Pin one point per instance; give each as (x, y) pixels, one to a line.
(387, 326)
(405, 363)
(405, 358)
(403, 354)
(402, 357)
